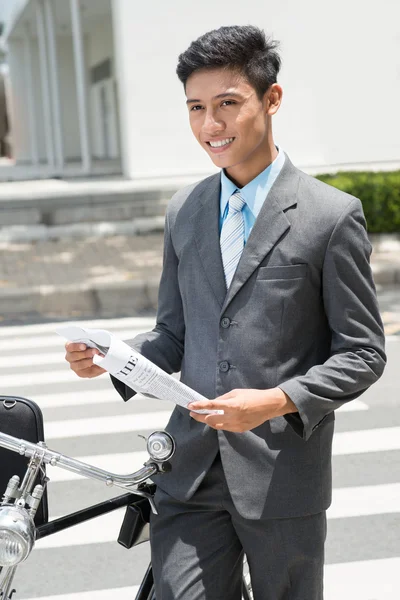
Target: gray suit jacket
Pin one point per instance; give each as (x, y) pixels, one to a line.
(301, 314)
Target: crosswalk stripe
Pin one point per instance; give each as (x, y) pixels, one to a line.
(31, 343)
(354, 405)
(105, 425)
(33, 360)
(66, 399)
(34, 343)
(347, 502)
(37, 378)
(365, 500)
(125, 593)
(142, 323)
(362, 580)
(366, 440)
(101, 530)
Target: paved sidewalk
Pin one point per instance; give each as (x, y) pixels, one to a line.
(110, 276)
(104, 276)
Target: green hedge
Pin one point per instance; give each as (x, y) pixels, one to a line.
(379, 194)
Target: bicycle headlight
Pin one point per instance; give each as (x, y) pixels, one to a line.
(17, 535)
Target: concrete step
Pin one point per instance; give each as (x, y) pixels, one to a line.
(83, 208)
(55, 202)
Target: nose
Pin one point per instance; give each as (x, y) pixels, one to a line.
(212, 125)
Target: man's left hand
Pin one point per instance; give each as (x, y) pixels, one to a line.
(244, 409)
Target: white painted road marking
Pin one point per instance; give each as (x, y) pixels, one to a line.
(366, 440)
(125, 593)
(365, 500)
(103, 425)
(363, 580)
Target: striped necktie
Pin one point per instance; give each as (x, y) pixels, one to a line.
(232, 236)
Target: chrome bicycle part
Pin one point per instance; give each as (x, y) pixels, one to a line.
(17, 535)
(160, 446)
(76, 466)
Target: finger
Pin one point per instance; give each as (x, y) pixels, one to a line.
(213, 420)
(75, 346)
(198, 417)
(81, 365)
(93, 371)
(80, 355)
(200, 404)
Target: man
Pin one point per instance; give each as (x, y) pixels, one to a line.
(267, 306)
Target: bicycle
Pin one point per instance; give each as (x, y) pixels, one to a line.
(21, 500)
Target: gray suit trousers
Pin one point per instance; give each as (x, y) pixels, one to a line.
(198, 545)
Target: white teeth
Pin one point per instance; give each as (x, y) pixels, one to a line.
(221, 143)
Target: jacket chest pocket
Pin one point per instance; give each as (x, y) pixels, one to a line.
(282, 272)
(276, 286)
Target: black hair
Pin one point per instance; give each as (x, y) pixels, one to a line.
(242, 48)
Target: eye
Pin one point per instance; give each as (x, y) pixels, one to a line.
(194, 108)
(229, 101)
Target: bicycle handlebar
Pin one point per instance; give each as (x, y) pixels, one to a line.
(55, 459)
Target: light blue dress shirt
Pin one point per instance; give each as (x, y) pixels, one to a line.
(254, 193)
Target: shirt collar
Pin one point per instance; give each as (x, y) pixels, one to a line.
(254, 192)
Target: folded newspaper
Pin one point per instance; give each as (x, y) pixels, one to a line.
(133, 369)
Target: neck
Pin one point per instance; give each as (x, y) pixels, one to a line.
(244, 172)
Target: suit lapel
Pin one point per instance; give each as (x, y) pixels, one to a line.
(206, 227)
(269, 227)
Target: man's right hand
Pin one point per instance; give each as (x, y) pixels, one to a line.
(80, 359)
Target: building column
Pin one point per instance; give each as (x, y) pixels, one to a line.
(30, 96)
(54, 82)
(44, 76)
(80, 77)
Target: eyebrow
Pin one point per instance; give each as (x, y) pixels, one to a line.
(224, 95)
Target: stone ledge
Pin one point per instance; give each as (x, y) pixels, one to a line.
(43, 233)
(99, 300)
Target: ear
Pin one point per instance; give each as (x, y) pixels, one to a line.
(273, 98)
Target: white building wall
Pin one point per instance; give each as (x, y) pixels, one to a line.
(341, 91)
(39, 106)
(100, 46)
(68, 100)
(20, 117)
(18, 110)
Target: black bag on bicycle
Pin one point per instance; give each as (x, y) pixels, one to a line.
(21, 418)
(135, 527)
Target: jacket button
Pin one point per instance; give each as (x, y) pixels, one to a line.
(225, 322)
(224, 366)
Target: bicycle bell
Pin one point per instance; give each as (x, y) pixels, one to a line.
(160, 446)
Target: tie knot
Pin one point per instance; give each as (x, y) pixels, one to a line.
(236, 202)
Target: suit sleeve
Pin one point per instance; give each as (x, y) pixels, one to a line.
(164, 344)
(357, 358)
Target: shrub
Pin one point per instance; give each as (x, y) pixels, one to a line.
(379, 194)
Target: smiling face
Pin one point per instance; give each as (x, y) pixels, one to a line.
(231, 123)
